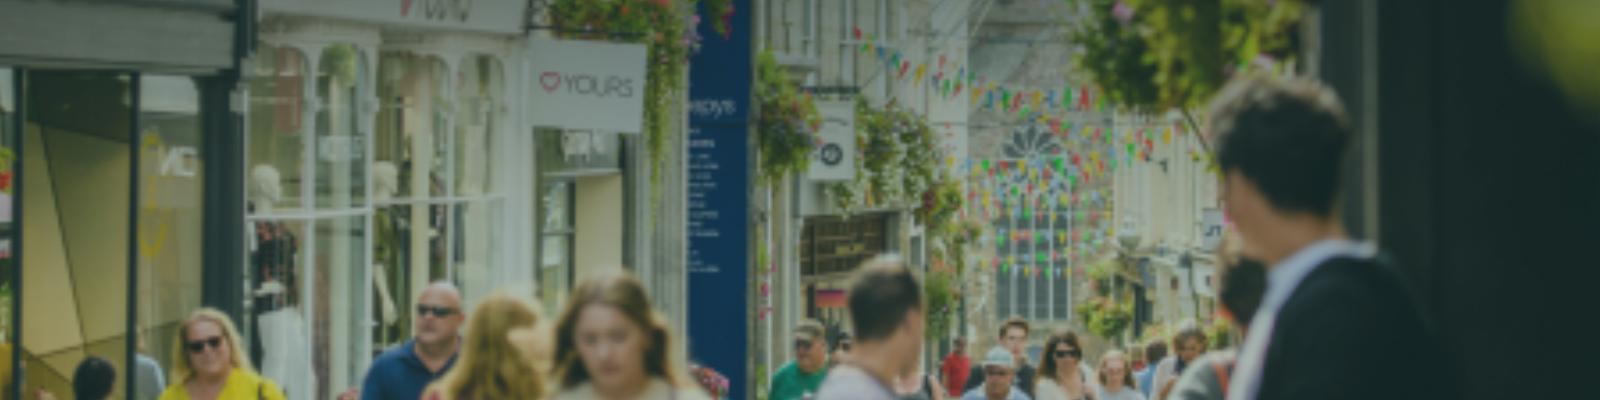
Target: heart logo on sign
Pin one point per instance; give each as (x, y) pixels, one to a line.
(550, 81)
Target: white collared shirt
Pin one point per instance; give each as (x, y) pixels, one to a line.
(1282, 281)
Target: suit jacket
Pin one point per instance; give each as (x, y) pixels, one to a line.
(1352, 330)
(1023, 379)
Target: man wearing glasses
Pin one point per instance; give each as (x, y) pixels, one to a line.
(998, 367)
(801, 378)
(1013, 339)
(404, 371)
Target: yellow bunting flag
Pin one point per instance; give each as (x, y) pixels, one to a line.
(1166, 138)
(922, 69)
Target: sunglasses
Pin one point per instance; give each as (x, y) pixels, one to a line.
(440, 312)
(996, 371)
(198, 346)
(802, 344)
(1074, 353)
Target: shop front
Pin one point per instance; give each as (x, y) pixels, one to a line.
(112, 119)
(376, 140)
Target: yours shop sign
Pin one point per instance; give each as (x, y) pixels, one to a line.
(587, 85)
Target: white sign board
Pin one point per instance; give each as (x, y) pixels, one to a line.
(834, 157)
(496, 16)
(587, 85)
(1211, 228)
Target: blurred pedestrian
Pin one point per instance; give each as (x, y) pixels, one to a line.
(1013, 338)
(93, 379)
(956, 367)
(612, 344)
(210, 363)
(998, 383)
(1116, 379)
(491, 366)
(802, 377)
(1242, 283)
(405, 370)
(1153, 354)
(1060, 375)
(1188, 344)
(886, 311)
(918, 386)
(1334, 319)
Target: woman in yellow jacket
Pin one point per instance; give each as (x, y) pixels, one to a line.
(211, 364)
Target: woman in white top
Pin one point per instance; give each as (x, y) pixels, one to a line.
(611, 344)
(1116, 379)
(1059, 375)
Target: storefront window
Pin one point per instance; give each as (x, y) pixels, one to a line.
(308, 255)
(169, 234)
(277, 141)
(436, 211)
(76, 236)
(413, 128)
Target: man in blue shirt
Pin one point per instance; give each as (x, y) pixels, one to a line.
(404, 371)
(1153, 354)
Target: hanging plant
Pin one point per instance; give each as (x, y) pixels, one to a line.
(939, 290)
(7, 157)
(666, 27)
(920, 163)
(1105, 317)
(786, 122)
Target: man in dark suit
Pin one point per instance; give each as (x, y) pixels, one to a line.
(1336, 322)
(1013, 338)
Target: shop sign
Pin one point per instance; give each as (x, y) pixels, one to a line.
(498, 16)
(834, 157)
(587, 85)
(341, 149)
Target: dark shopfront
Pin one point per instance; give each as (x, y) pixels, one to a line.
(115, 132)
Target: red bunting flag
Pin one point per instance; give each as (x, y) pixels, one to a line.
(858, 32)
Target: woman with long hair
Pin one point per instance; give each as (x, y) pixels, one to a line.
(611, 344)
(210, 363)
(1116, 378)
(490, 365)
(1060, 378)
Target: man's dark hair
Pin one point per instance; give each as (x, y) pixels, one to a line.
(1242, 286)
(1188, 331)
(1014, 322)
(1288, 136)
(883, 292)
(1155, 351)
(93, 379)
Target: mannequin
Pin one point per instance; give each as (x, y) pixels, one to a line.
(386, 181)
(281, 339)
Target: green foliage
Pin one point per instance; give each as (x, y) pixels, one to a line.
(939, 290)
(664, 26)
(879, 150)
(1105, 317)
(1163, 54)
(786, 122)
(1220, 333)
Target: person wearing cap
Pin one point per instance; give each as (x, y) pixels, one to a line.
(801, 378)
(998, 367)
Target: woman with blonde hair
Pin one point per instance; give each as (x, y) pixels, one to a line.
(1116, 378)
(611, 344)
(490, 365)
(210, 363)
